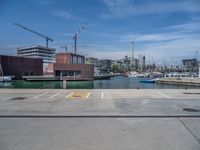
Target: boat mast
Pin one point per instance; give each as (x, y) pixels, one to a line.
(133, 60)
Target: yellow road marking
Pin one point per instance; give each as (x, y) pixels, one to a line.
(78, 94)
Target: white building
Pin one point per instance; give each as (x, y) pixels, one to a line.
(47, 54)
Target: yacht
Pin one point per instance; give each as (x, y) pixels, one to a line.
(135, 75)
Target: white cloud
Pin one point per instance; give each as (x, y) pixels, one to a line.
(177, 41)
(169, 33)
(177, 49)
(62, 14)
(66, 15)
(187, 27)
(125, 8)
(157, 37)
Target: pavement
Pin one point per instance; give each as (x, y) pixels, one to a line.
(135, 119)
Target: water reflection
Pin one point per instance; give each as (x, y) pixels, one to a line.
(115, 83)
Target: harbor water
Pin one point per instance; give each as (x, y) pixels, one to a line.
(114, 83)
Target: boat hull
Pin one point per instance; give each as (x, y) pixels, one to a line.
(148, 81)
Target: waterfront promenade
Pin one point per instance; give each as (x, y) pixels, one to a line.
(145, 119)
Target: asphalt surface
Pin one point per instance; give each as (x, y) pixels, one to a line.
(99, 119)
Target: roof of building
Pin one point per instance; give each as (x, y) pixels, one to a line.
(35, 46)
(19, 57)
(68, 53)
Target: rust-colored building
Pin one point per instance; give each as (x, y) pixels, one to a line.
(69, 58)
(20, 66)
(71, 66)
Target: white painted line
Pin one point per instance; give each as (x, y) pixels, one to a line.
(187, 98)
(55, 95)
(37, 96)
(132, 98)
(151, 98)
(164, 95)
(102, 94)
(123, 97)
(70, 95)
(88, 95)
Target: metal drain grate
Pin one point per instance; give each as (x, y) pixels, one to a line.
(18, 98)
(191, 93)
(191, 110)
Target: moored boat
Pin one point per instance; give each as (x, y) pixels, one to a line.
(135, 75)
(148, 81)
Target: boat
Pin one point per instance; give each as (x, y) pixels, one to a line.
(135, 75)
(149, 80)
(5, 78)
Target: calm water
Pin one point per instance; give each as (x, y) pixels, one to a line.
(115, 83)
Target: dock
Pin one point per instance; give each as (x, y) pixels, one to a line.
(180, 81)
(40, 78)
(52, 78)
(107, 77)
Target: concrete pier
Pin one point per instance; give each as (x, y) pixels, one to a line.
(99, 119)
(180, 81)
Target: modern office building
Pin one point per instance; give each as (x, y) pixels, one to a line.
(69, 66)
(47, 54)
(20, 66)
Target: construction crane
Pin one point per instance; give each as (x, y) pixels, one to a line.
(25, 28)
(76, 35)
(65, 47)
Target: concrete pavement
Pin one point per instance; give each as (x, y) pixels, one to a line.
(103, 119)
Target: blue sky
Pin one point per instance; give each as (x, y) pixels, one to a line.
(162, 29)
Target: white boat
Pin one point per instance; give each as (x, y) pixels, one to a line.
(135, 75)
(5, 78)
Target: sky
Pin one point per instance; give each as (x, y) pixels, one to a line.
(162, 30)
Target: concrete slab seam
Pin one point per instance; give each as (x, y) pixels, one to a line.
(188, 129)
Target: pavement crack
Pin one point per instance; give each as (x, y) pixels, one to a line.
(188, 129)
